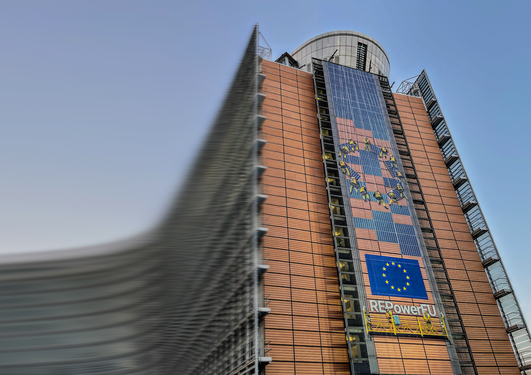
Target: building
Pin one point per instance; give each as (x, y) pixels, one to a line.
(380, 172)
(332, 230)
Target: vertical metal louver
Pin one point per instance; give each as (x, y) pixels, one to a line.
(361, 57)
(502, 289)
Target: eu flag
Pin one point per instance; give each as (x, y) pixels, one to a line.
(395, 277)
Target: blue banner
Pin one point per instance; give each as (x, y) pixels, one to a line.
(395, 277)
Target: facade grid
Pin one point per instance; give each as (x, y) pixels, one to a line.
(305, 324)
(420, 216)
(334, 231)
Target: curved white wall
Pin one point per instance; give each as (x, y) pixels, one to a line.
(346, 42)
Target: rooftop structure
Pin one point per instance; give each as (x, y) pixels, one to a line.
(344, 47)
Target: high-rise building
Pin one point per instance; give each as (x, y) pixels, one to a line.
(328, 227)
(381, 261)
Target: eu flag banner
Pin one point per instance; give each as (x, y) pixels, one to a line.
(395, 277)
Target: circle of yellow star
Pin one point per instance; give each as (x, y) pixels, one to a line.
(399, 289)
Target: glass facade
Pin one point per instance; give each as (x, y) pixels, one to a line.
(397, 294)
(371, 159)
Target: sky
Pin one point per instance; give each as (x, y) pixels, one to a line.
(104, 103)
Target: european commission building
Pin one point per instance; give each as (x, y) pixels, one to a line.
(335, 231)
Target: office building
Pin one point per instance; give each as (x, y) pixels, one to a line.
(380, 172)
(328, 227)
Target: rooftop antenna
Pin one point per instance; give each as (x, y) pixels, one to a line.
(331, 57)
(264, 50)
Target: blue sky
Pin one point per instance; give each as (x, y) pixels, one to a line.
(103, 104)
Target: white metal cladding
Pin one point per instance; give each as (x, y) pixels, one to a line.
(182, 299)
(345, 42)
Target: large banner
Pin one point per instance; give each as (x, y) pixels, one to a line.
(388, 237)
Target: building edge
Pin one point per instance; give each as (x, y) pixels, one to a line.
(507, 302)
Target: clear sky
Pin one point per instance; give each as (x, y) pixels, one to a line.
(104, 103)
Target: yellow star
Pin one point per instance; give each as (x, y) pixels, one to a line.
(384, 268)
(407, 284)
(399, 266)
(393, 263)
(392, 287)
(383, 274)
(387, 264)
(407, 277)
(387, 281)
(404, 288)
(399, 289)
(404, 271)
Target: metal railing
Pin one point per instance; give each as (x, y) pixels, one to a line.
(387, 323)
